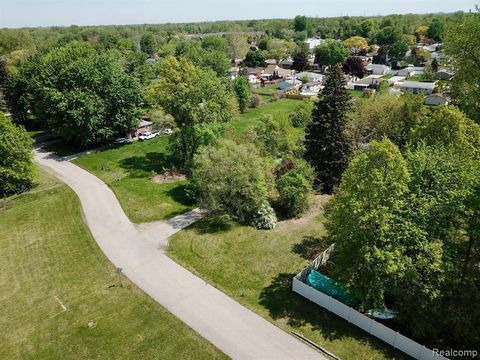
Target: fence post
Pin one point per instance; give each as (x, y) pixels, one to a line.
(395, 340)
(371, 325)
(421, 352)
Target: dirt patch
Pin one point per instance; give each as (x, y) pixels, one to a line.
(316, 207)
(168, 178)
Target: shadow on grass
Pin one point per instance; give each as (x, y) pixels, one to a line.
(144, 166)
(310, 247)
(282, 303)
(179, 194)
(214, 225)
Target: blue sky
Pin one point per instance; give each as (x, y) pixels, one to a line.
(17, 13)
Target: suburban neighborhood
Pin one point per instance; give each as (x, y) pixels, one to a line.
(279, 187)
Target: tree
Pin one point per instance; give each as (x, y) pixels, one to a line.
(294, 186)
(147, 44)
(231, 179)
(237, 44)
(274, 135)
(300, 23)
(328, 147)
(254, 59)
(300, 60)
(330, 52)
(16, 167)
(80, 95)
(242, 92)
(366, 206)
(355, 44)
(11, 94)
(461, 43)
(388, 35)
(435, 65)
(302, 114)
(354, 66)
(436, 29)
(366, 27)
(398, 51)
(195, 98)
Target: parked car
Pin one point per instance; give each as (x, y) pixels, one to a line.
(122, 140)
(168, 131)
(149, 135)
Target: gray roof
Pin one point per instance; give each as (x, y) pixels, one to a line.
(144, 123)
(418, 85)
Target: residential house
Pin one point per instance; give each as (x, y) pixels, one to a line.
(276, 72)
(395, 80)
(410, 71)
(271, 62)
(286, 63)
(377, 69)
(416, 87)
(144, 126)
(364, 83)
(436, 99)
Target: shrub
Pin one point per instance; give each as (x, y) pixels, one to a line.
(294, 187)
(264, 218)
(231, 179)
(255, 101)
(302, 114)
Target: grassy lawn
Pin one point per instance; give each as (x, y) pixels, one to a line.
(250, 117)
(269, 89)
(49, 254)
(256, 268)
(129, 169)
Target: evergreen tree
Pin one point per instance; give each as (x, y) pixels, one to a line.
(328, 147)
(300, 61)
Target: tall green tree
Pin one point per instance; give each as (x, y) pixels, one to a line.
(331, 52)
(16, 167)
(328, 147)
(242, 92)
(148, 44)
(254, 59)
(195, 98)
(85, 97)
(300, 60)
(367, 257)
(462, 45)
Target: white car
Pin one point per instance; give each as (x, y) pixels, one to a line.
(147, 135)
(168, 131)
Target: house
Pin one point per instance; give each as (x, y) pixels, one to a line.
(377, 69)
(443, 74)
(286, 63)
(271, 62)
(312, 43)
(276, 72)
(144, 126)
(410, 71)
(289, 84)
(310, 76)
(395, 80)
(365, 82)
(416, 87)
(436, 99)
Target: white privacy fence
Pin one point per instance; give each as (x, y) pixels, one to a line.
(371, 326)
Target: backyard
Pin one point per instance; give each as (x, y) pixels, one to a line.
(256, 268)
(130, 169)
(60, 297)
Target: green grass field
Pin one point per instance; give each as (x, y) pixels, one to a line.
(256, 268)
(49, 258)
(251, 116)
(129, 169)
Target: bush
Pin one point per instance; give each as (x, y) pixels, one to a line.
(265, 218)
(230, 178)
(302, 114)
(16, 168)
(255, 101)
(294, 187)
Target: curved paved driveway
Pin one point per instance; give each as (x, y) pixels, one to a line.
(235, 330)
